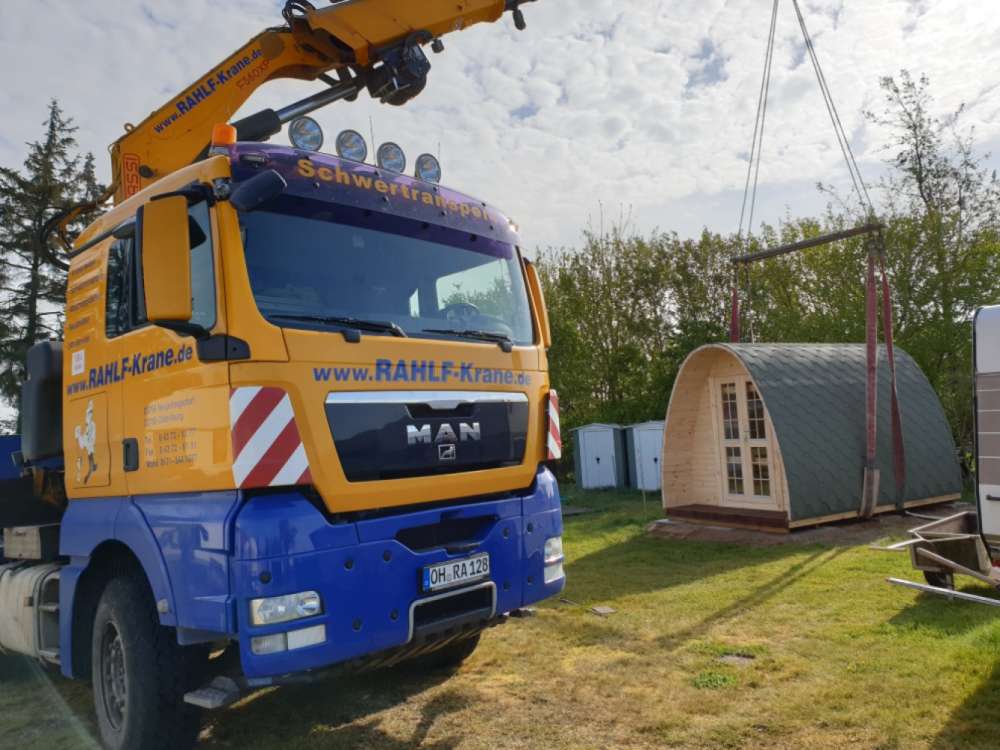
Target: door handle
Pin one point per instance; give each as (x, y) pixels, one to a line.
(130, 454)
(994, 498)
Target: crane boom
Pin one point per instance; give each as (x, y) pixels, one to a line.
(373, 44)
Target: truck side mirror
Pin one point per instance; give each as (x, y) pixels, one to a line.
(538, 302)
(166, 260)
(250, 195)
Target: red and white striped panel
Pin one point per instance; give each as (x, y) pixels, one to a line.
(267, 447)
(554, 437)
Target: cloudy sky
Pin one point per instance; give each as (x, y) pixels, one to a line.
(602, 107)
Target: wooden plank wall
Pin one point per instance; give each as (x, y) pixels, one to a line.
(692, 462)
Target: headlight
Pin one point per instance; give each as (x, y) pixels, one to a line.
(553, 556)
(277, 609)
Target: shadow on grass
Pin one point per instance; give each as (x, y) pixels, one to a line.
(974, 723)
(643, 564)
(944, 617)
(754, 598)
(340, 712)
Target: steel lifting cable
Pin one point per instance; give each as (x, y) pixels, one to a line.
(876, 267)
(753, 173)
(831, 107)
(758, 127)
(876, 264)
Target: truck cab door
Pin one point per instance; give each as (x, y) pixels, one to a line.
(176, 393)
(987, 359)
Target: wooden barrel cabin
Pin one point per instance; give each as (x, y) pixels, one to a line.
(772, 436)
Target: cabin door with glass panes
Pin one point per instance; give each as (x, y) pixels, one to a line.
(746, 448)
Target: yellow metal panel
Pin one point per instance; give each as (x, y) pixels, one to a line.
(370, 24)
(166, 259)
(310, 350)
(172, 136)
(88, 456)
(152, 385)
(178, 408)
(179, 414)
(88, 441)
(538, 303)
(244, 319)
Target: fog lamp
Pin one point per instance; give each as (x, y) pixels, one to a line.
(269, 644)
(391, 157)
(306, 134)
(351, 145)
(428, 168)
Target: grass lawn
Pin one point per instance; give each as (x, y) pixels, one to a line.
(711, 646)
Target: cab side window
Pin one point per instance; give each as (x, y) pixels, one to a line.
(125, 304)
(120, 314)
(202, 266)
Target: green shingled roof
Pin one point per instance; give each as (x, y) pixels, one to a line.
(815, 394)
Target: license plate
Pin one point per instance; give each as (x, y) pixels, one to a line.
(456, 572)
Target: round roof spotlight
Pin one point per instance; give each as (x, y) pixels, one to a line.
(391, 157)
(306, 134)
(351, 145)
(428, 168)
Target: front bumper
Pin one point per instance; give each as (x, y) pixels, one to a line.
(368, 572)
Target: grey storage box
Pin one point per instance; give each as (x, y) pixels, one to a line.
(599, 457)
(31, 542)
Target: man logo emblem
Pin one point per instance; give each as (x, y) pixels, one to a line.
(445, 435)
(447, 452)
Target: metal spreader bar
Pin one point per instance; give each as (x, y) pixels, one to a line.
(795, 247)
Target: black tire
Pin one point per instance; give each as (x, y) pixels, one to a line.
(446, 657)
(140, 674)
(941, 578)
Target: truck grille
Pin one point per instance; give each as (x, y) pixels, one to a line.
(400, 434)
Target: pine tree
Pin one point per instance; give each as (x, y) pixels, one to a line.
(32, 270)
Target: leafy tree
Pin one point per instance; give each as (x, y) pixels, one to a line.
(625, 311)
(32, 275)
(942, 206)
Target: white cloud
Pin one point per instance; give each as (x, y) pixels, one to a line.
(607, 103)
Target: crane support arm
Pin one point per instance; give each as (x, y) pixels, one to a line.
(373, 44)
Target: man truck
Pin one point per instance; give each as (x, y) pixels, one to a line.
(301, 415)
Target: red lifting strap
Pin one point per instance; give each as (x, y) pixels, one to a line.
(876, 257)
(870, 487)
(735, 334)
(898, 451)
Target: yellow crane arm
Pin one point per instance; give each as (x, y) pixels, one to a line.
(373, 44)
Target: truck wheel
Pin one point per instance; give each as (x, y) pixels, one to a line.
(447, 657)
(942, 579)
(140, 674)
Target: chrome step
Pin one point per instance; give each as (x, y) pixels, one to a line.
(50, 655)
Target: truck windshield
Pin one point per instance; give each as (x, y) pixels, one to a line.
(309, 272)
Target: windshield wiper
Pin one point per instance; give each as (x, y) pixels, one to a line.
(501, 338)
(380, 326)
